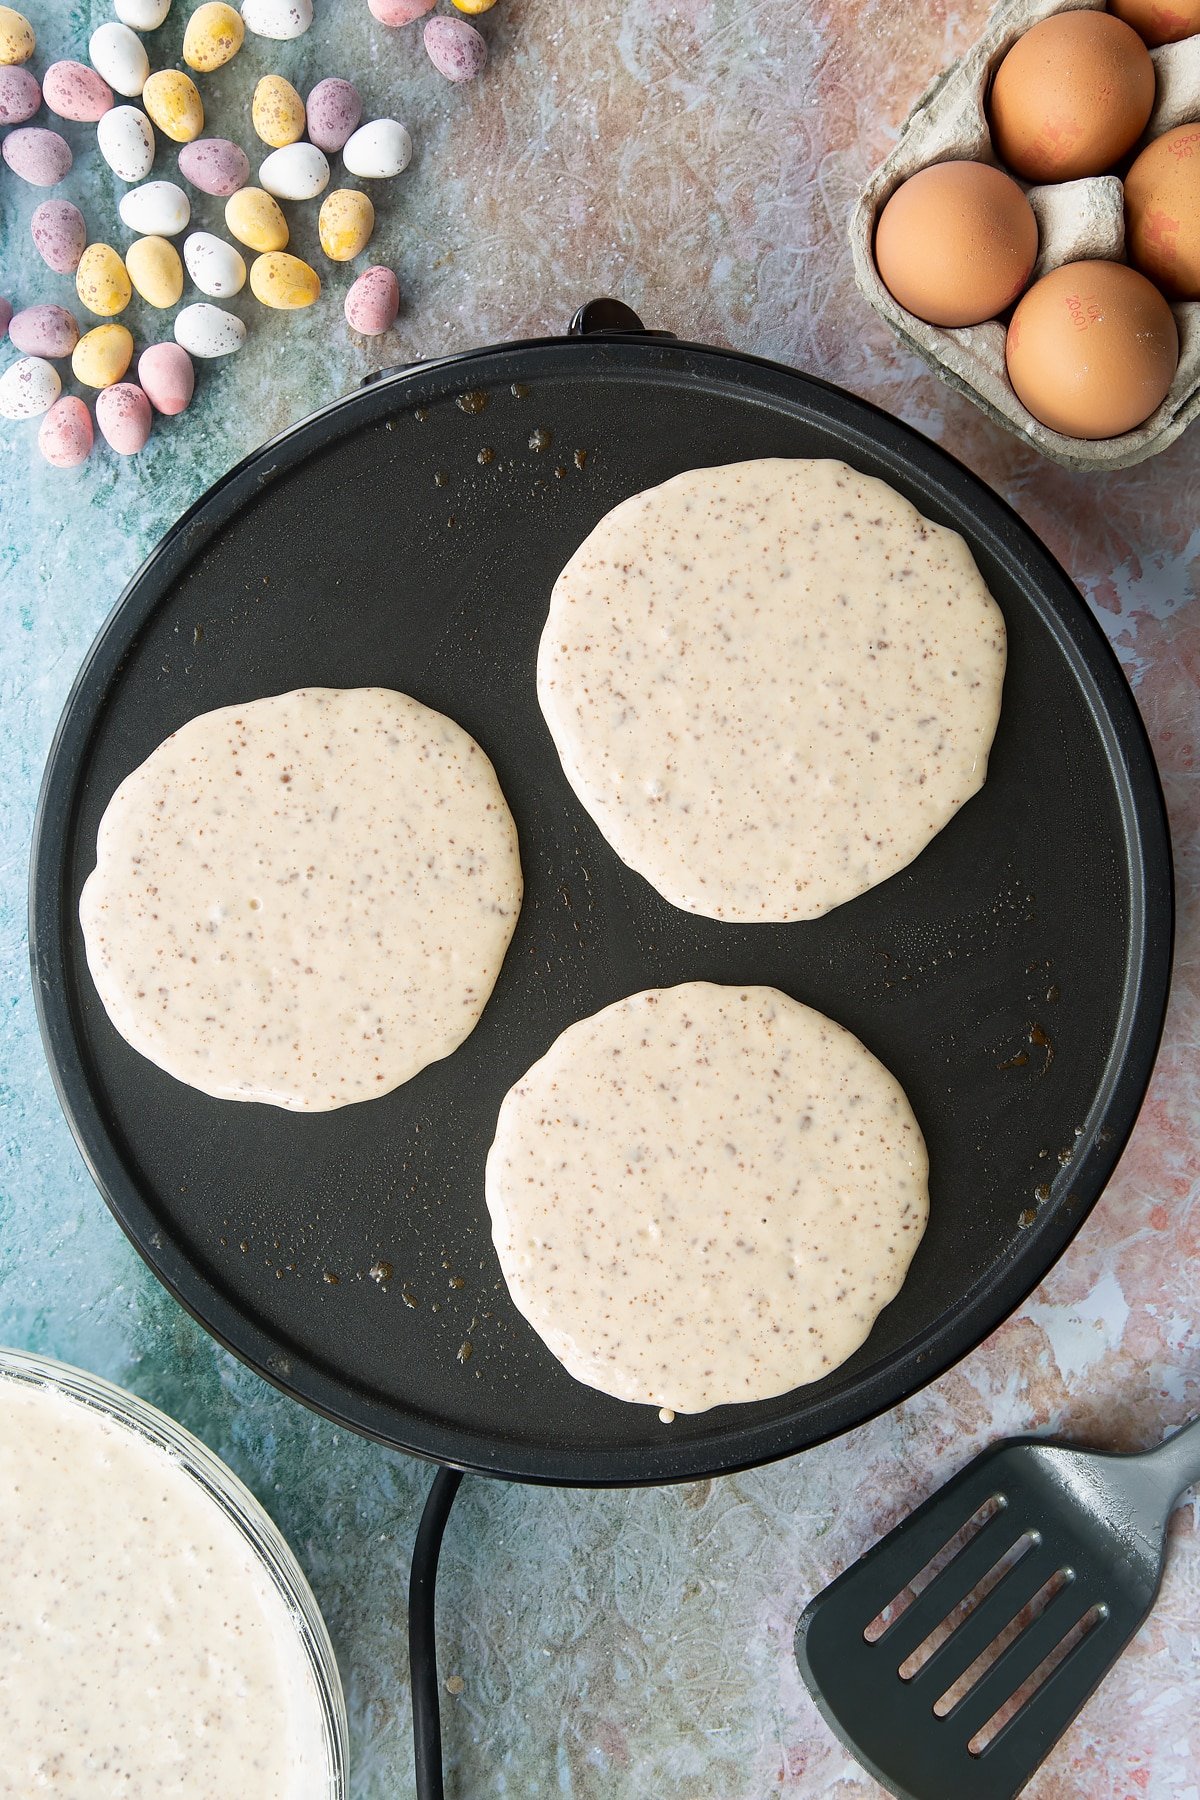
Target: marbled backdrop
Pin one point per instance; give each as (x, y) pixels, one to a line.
(698, 157)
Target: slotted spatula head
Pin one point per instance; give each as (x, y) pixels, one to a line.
(952, 1656)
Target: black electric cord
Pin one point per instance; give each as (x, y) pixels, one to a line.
(422, 1635)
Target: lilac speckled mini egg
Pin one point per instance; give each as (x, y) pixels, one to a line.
(44, 331)
(455, 49)
(373, 302)
(168, 378)
(65, 436)
(38, 156)
(124, 417)
(215, 166)
(333, 111)
(60, 234)
(20, 96)
(74, 91)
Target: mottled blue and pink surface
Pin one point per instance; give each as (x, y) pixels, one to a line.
(698, 158)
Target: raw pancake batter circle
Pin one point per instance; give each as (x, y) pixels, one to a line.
(705, 1194)
(771, 684)
(303, 900)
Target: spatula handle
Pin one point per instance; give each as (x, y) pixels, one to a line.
(1178, 1459)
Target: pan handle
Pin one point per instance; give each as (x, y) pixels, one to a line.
(610, 318)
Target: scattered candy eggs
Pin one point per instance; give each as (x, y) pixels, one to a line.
(6, 313)
(156, 209)
(102, 282)
(283, 281)
(74, 91)
(956, 243)
(20, 95)
(378, 150)
(215, 267)
(207, 331)
(59, 235)
(215, 33)
(142, 15)
(65, 435)
(167, 377)
(1162, 212)
(1159, 21)
(28, 388)
(38, 156)
(120, 56)
(44, 331)
(173, 101)
(17, 42)
(102, 356)
(345, 225)
(1092, 349)
(255, 219)
(215, 166)
(1071, 97)
(400, 12)
(124, 417)
(155, 271)
(280, 19)
(277, 112)
(474, 7)
(455, 49)
(373, 302)
(333, 112)
(126, 140)
(298, 172)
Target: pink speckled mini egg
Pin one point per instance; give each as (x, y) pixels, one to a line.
(373, 302)
(65, 437)
(455, 49)
(400, 12)
(74, 91)
(38, 156)
(123, 415)
(168, 378)
(333, 111)
(20, 96)
(44, 331)
(215, 166)
(60, 234)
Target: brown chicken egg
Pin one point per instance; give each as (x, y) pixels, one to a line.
(1159, 21)
(1162, 212)
(956, 242)
(1092, 349)
(1071, 97)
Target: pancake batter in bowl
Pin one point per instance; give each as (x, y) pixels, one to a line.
(305, 899)
(705, 1194)
(771, 684)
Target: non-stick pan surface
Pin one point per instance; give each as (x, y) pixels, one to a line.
(1014, 977)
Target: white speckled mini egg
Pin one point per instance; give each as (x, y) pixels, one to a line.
(120, 56)
(215, 267)
(126, 139)
(156, 209)
(208, 331)
(277, 18)
(378, 150)
(29, 388)
(142, 15)
(297, 172)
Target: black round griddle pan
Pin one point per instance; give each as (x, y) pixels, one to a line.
(1014, 977)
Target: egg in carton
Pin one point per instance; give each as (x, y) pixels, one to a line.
(1077, 220)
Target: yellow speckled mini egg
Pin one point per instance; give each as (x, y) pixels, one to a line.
(256, 219)
(474, 7)
(283, 281)
(173, 101)
(102, 356)
(215, 33)
(155, 271)
(102, 281)
(346, 223)
(17, 42)
(277, 112)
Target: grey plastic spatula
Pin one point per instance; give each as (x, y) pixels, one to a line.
(952, 1656)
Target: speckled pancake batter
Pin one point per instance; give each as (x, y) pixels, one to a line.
(303, 900)
(771, 684)
(705, 1194)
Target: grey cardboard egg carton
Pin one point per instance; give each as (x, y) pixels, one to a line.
(1076, 220)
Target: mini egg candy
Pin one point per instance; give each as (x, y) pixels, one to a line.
(215, 267)
(373, 302)
(1071, 97)
(120, 56)
(333, 112)
(208, 331)
(156, 209)
(400, 12)
(102, 356)
(215, 33)
(142, 15)
(155, 271)
(74, 91)
(49, 331)
(173, 101)
(956, 243)
(20, 95)
(455, 49)
(28, 388)
(17, 42)
(65, 436)
(167, 377)
(283, 281)
(38, 156)
(298, 172)
(126, 139)
(124, 417)
(277, 112)
(215, 166)
(59, 235)
(1162, 212)
(474, 7)
(278, 19)
(345, 225)
(102, 281)
(255, 219)
(378, 150)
